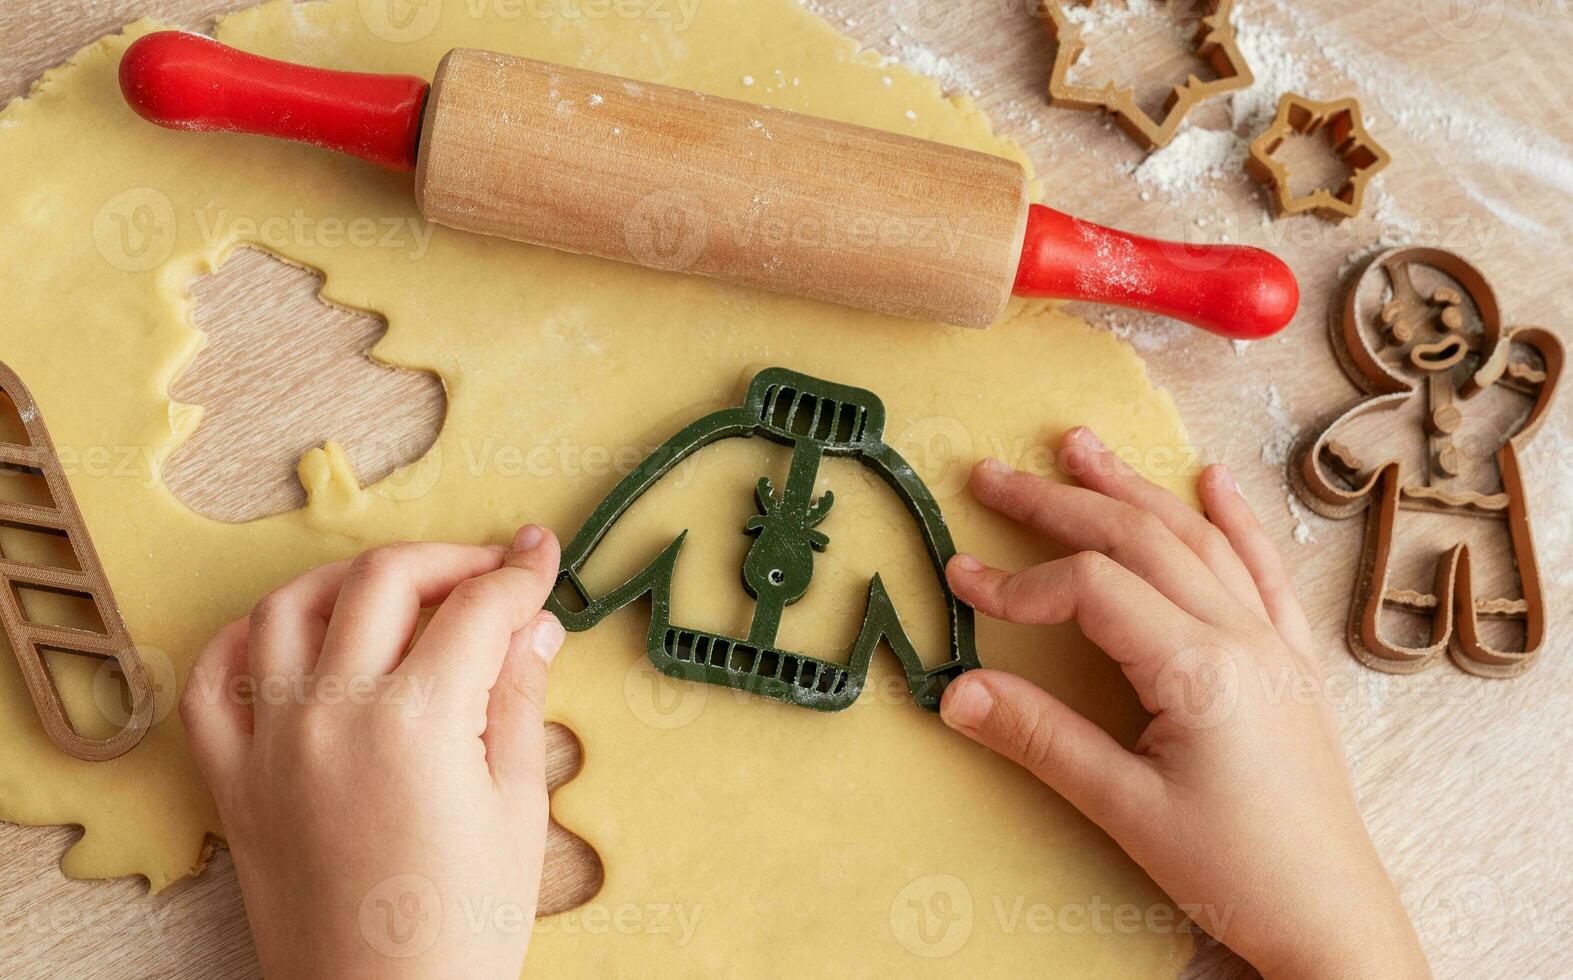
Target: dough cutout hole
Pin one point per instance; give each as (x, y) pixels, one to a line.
(282, 372)
(573, 873)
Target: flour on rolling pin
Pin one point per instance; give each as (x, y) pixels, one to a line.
(687, 182)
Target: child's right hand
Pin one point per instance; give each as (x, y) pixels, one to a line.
(1237, 799)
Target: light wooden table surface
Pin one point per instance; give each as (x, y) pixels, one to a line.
(1466, 784)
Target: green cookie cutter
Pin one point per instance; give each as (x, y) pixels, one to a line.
(815, 419)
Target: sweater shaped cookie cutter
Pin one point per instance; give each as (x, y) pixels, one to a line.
(815, 419)
(1214, 42)
(29, 640)
(1446, 347)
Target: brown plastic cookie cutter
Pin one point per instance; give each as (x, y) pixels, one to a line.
(1214, 42)
(1455, 397)
(60, 519)
(1350, 142)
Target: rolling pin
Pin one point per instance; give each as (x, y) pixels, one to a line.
(678, 180)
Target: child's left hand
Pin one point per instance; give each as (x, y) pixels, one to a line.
(386, 805)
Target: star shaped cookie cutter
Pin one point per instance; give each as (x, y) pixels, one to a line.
(1350, 142)
(1214, 42)
(815, 419)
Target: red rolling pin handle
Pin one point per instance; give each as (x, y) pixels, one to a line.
(1231, 290)
(187, 81)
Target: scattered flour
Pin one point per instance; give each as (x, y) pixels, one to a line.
(1146, 333)
(1276, 448)
(1280, 437)
(1194, 158)
(1277, 69)
(1302, 527)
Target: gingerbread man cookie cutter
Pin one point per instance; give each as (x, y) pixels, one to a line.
(1214, 42)
(815, 419)
(30, 639)
(1421, 332)
(1350, 143)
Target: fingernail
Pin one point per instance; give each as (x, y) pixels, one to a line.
(997, 466)
(528, 538)
(1087, 437)
(967, 563)
(966, 704)
(1226, 478)
(548, 639)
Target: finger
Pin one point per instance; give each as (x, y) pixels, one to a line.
(383, 594)
(218, 722)
(1235, 518)
(1127, 618)
(1086, 520)
(287, 625)
(1039, 732)
(1085, 457)
(469, 636)
(516, 714)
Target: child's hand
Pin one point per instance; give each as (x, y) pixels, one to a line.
(386, 809)
(1237, 799)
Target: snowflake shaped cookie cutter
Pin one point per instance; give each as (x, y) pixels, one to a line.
(1350, 141)
(1213, 41)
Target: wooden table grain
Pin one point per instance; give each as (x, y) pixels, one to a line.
(1466, 784)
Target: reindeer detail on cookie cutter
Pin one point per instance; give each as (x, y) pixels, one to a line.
(1458, 396)
(814, 419)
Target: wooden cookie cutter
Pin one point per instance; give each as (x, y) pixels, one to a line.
(1440, 352)
(815, 419)
(30, 640)
(1350, 142)
(1214, 43)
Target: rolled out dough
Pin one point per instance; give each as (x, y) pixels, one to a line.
(741, 837)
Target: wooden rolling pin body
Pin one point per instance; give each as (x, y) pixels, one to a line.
(678, 180)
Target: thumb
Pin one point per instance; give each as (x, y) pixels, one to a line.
(515, 736)
(1034, 729)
